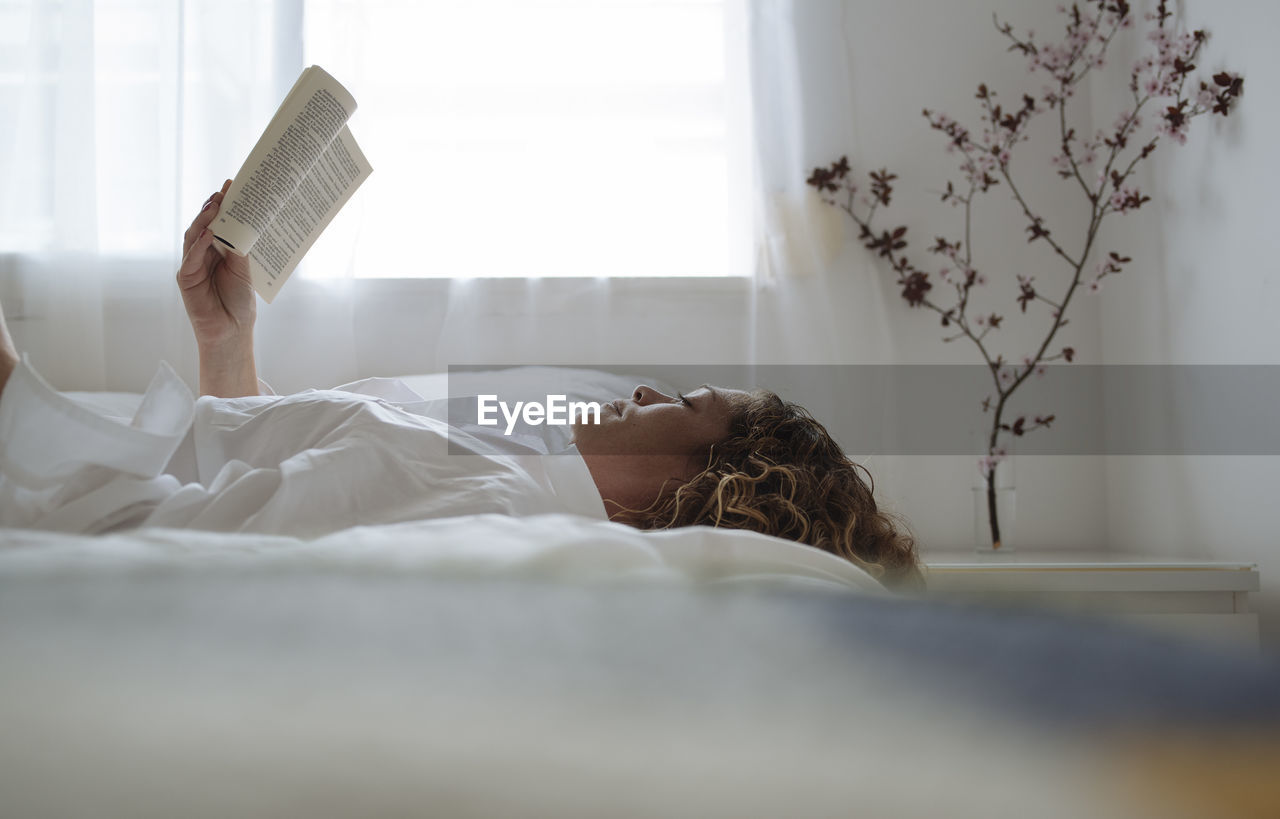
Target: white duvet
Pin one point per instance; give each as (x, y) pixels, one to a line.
(300, 465)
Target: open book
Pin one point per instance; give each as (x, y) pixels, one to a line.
(303, 170)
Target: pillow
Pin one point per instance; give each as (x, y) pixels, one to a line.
(578, 384)
(532, 383)
(525, 384)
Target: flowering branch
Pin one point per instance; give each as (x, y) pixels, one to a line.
(1157, 79)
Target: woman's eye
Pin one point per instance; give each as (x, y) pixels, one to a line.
(684, 400)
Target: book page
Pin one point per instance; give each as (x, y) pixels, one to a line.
(312, 113)
(341, 169)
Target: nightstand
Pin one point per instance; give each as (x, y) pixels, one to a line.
(1205, 599)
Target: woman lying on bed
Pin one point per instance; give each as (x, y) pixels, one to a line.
(321, 461)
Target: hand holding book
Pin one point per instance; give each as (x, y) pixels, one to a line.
(304, 168)
(218, 295)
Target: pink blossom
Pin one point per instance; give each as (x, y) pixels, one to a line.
(1095, 286)
(1121, 198)
(1178, 135)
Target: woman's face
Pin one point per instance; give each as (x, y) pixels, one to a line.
(652, 439)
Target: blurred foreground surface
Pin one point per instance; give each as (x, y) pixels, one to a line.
(288, 691)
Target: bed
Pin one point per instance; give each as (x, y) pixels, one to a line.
(558, 666)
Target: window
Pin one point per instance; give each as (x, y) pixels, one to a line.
(536, 137)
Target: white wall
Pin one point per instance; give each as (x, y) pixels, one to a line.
(1204, 290)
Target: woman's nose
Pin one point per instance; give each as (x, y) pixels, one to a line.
(645, 395)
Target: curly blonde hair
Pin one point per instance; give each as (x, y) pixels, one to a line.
(780, 472)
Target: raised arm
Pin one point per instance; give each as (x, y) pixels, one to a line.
(221, 307)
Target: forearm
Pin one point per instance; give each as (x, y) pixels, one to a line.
(227, 369)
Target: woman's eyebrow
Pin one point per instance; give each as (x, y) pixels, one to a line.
(715, 394)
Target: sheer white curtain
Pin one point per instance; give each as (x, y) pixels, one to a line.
(818, 299)
(118, 117)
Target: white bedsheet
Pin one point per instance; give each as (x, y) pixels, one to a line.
(561, 546)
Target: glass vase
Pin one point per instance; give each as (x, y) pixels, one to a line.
(1000, 539)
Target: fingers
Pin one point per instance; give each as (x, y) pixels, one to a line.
(237, 264)
(203, 219)
(192, 271)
